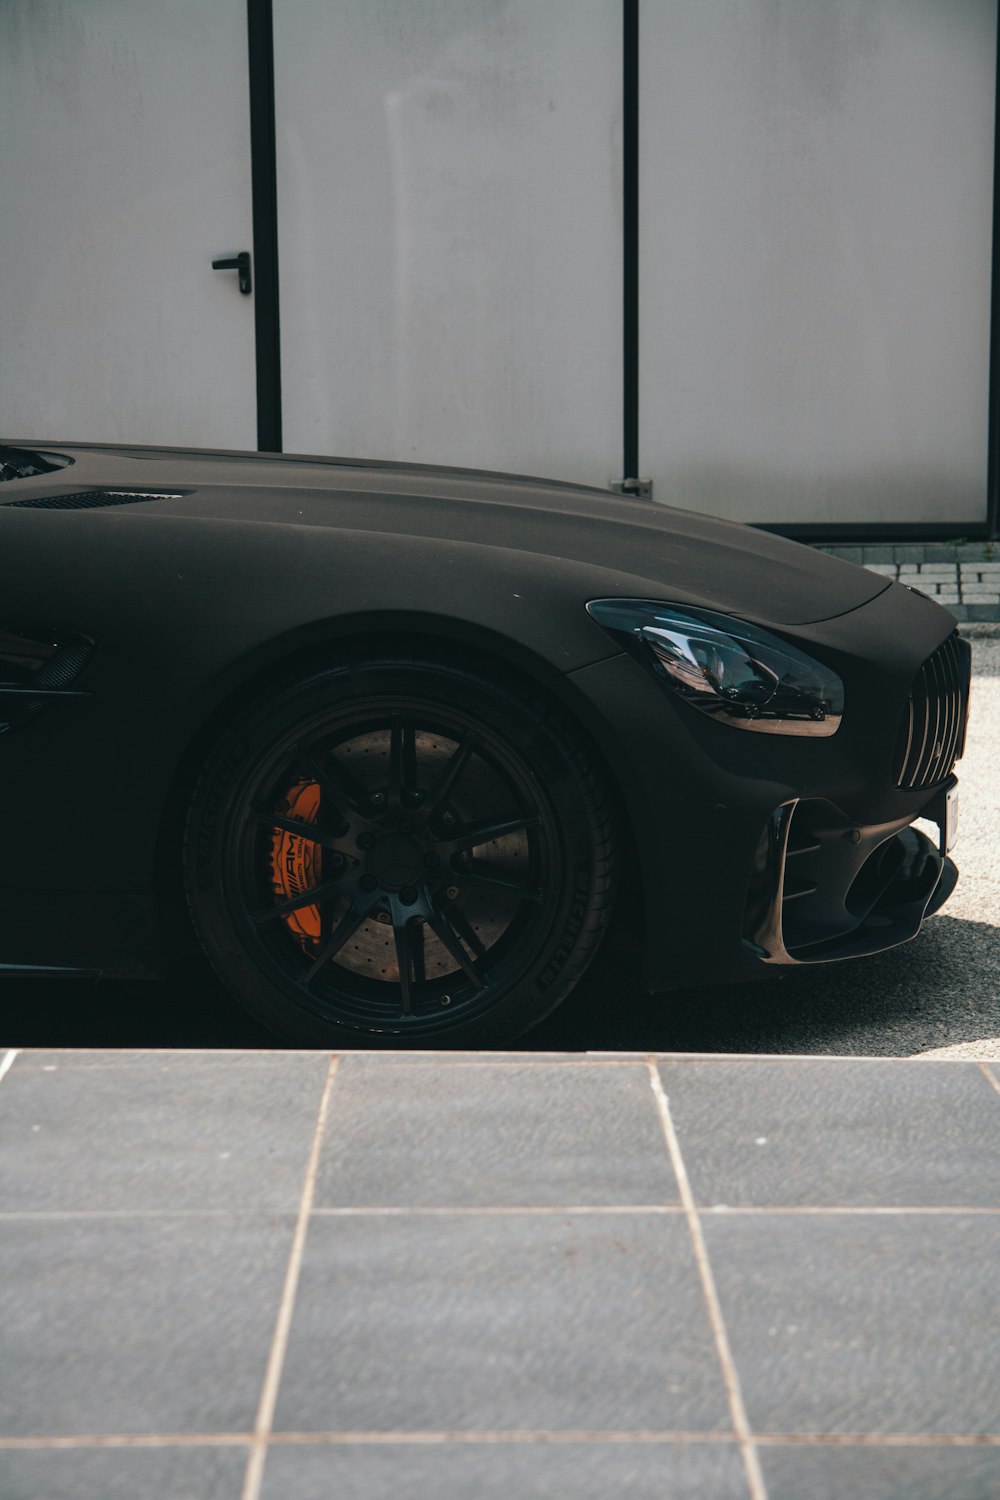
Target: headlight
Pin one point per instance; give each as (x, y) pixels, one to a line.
(737, 673)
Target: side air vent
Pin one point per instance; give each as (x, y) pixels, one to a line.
(91, 499)
(37, 667)
(932, 732)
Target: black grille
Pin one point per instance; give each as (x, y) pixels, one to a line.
(89, 499)
(932, 733)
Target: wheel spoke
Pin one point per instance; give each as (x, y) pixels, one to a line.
(447, 778)
(337, 785)
(402, 758)
(443, 929)
(395, 756)
(345, 928)
(481, 876)
(295, 825)
(401, 932)
(467, 933)
(418, 952)
(484, 833)
(311, 897)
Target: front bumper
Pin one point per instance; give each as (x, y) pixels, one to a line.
(824, 888)
(723, 824)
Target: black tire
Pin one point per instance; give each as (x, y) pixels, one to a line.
(385, 853)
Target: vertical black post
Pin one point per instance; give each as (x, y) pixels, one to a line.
(630, 207)
(993, 466)
(263, 162)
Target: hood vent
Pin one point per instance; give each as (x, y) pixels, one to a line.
(92, 499)
(22, 463)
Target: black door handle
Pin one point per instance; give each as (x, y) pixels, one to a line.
(239, 263)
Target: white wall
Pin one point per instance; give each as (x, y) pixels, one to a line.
(815, 226)
(124, 170)
(449, 194)
(816, 223)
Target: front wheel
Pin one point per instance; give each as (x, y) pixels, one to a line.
(393, 853)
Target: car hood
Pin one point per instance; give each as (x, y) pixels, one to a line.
(674, 554)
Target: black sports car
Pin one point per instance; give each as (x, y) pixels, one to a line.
(399, 744)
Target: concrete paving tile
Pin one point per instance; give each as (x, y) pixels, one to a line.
(137, 1325)
(861, 1323)
(124, 1059)
(522, 1136)
(522, 1057)
(881, 1473)
(500, 1322)
(507, 1471)
(821, 1132)
(164, 1133)
(123, 1474)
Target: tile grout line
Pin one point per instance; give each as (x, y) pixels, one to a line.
(422, 1437)
(660, 1210)
(8, 1061)
(283, 1323)
(730, 1375)
(525, 1210)
(989, 1075)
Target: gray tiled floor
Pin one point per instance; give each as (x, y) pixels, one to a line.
(543, 1139)
(280, 1275)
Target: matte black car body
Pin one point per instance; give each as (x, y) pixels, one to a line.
(199, 578)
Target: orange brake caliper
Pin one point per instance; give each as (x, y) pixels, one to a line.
(296, 862)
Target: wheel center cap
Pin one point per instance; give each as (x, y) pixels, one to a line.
(396, 860)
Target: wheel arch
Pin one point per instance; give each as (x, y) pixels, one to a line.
(428, 636)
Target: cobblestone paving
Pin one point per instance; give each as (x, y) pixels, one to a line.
(964, 577)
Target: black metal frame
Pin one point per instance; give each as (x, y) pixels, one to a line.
(264, 176)
(874, 532)
(630, 246)
(992, 529)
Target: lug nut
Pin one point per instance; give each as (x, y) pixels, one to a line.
(383, 917)
(448, 820)
(378, 799)
(452, 893)
(445, 1000)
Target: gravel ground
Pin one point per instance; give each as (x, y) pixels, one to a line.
(936, 996)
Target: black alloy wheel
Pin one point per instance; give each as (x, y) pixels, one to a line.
(387, 852)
